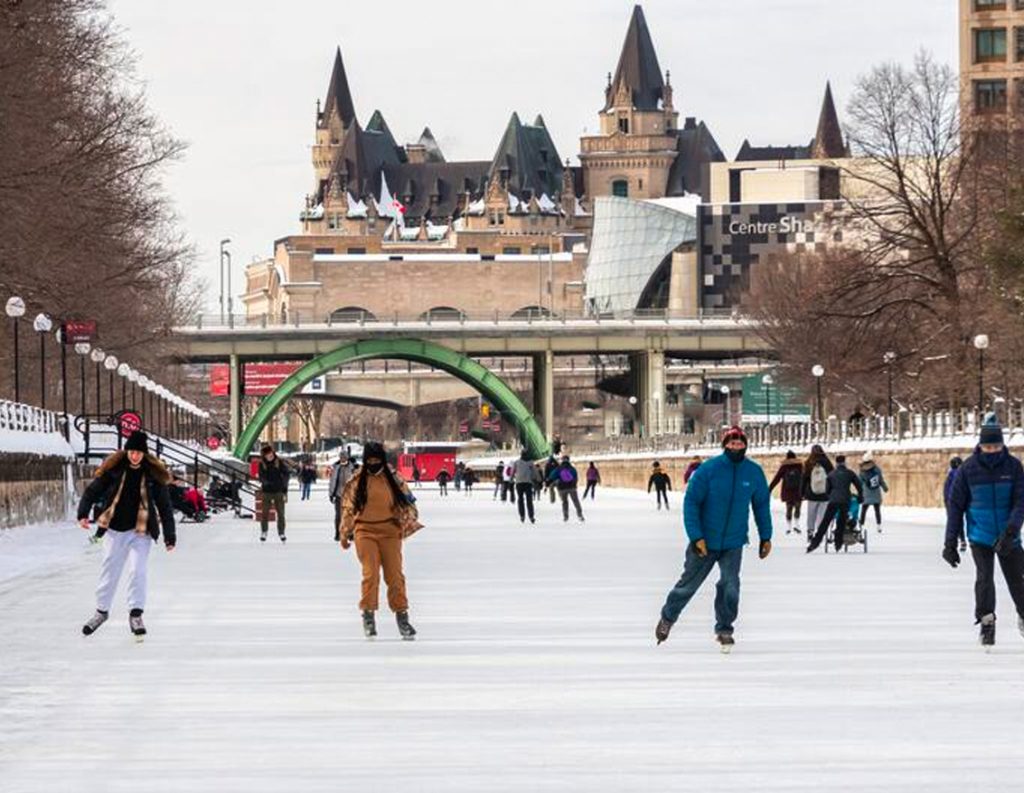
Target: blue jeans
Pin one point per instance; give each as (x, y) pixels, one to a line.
(695, 570)
(306, 487)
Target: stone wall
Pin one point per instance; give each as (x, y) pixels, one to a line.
(915, 477)
(33, 489)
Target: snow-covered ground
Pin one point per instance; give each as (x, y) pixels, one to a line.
(535, 668)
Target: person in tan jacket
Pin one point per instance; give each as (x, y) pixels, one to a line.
(374, 503)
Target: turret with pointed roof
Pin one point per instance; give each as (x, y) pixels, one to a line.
(828, 140)
(339, 98)
(638, 73)
(527, 158)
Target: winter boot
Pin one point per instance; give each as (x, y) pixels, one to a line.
(136, 624)
(988, 630)
(404, 627)
(94, 622)
(369, 624)
(662, 630)
(263, 536)
(725, 642)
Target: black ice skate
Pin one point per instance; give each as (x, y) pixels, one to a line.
(137, 625)
(94, 622)
(725, 642)
(988, 631)
(263, 536)
(404, 627)
(283, 538)
(662, 630)
(369, 624)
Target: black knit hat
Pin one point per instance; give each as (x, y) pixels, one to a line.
(138, 441)
(374, 449)
(265, 448)
(991, 430)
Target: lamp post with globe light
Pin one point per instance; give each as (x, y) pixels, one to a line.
(110, 364)
(97, 356)
(726, 406)
(767, 380)
(981, 343)
(819, 371)
(42, 324)
(123, 369)
(889, 359)
(15, 309)
(82, 348)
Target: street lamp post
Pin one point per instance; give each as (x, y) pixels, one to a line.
(15, 309)
(97, 356)
(111, 366)
(222, 244)
(123, 370)
(768, 380)
(819, 371)
(981, 343)
(637, 428)
(42, 325)
(82, 348)
(64, 380)
(889, 358)
(726, 406)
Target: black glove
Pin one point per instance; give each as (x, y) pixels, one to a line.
(1004, 545)
(951, 555)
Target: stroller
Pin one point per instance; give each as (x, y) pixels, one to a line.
(221, 495)
(853, 534)
(189, 502)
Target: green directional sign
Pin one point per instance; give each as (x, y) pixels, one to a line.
(781, 403)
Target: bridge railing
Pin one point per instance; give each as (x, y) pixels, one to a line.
(298, 319)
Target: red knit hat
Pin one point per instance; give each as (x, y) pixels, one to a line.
(734, 434)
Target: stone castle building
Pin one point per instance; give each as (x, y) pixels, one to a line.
(397, 230)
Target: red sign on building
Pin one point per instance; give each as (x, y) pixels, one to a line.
(260, 378)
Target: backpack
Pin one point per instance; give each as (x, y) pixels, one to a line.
(819, 480)
(792, 478)
(566, 476)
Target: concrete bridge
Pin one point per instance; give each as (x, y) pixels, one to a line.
(645, 338)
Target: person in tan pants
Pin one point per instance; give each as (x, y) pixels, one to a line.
(370, 516)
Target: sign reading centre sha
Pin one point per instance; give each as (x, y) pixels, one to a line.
(260, 379)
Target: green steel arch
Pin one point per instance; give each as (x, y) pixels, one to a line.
(492, 387)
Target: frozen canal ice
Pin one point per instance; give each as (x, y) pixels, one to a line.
(535, 668)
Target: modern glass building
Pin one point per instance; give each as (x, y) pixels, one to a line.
(631, 252)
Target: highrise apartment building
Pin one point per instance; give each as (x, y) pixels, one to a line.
(992, 57)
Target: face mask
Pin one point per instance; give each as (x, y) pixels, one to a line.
(374, 468)
(991, 458)
(736, 455)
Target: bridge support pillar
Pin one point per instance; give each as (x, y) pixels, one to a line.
(647, 374)
(544, 391)
(235, 391)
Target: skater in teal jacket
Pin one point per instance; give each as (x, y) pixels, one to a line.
(716, 516)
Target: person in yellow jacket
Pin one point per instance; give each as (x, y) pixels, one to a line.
(374, 503)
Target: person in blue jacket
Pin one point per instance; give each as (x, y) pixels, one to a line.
(988, 491)
(716, 516)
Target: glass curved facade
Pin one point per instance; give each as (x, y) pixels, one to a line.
(630, 241)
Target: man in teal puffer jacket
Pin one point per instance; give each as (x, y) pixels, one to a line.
(716, 515)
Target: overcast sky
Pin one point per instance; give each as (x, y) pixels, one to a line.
(239, 80)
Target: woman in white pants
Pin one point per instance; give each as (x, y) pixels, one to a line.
(131, 485)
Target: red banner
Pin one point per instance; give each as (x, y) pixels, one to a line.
(260, 378)
(77, 331)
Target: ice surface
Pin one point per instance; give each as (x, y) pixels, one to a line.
(535, 668)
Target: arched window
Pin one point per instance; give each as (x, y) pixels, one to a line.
(620, 188)
(531, 312)
(352, 314)
(443, 314)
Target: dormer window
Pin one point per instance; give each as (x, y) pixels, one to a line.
(624, 125)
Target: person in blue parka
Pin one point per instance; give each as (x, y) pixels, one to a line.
(988, 491)
(716, 516)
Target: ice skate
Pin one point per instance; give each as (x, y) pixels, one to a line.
(137, 626)
(369, 625)
(263, 536)
(662, 630)
(725, 642)
(404, 627)
(94, 622)
(987, 637)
